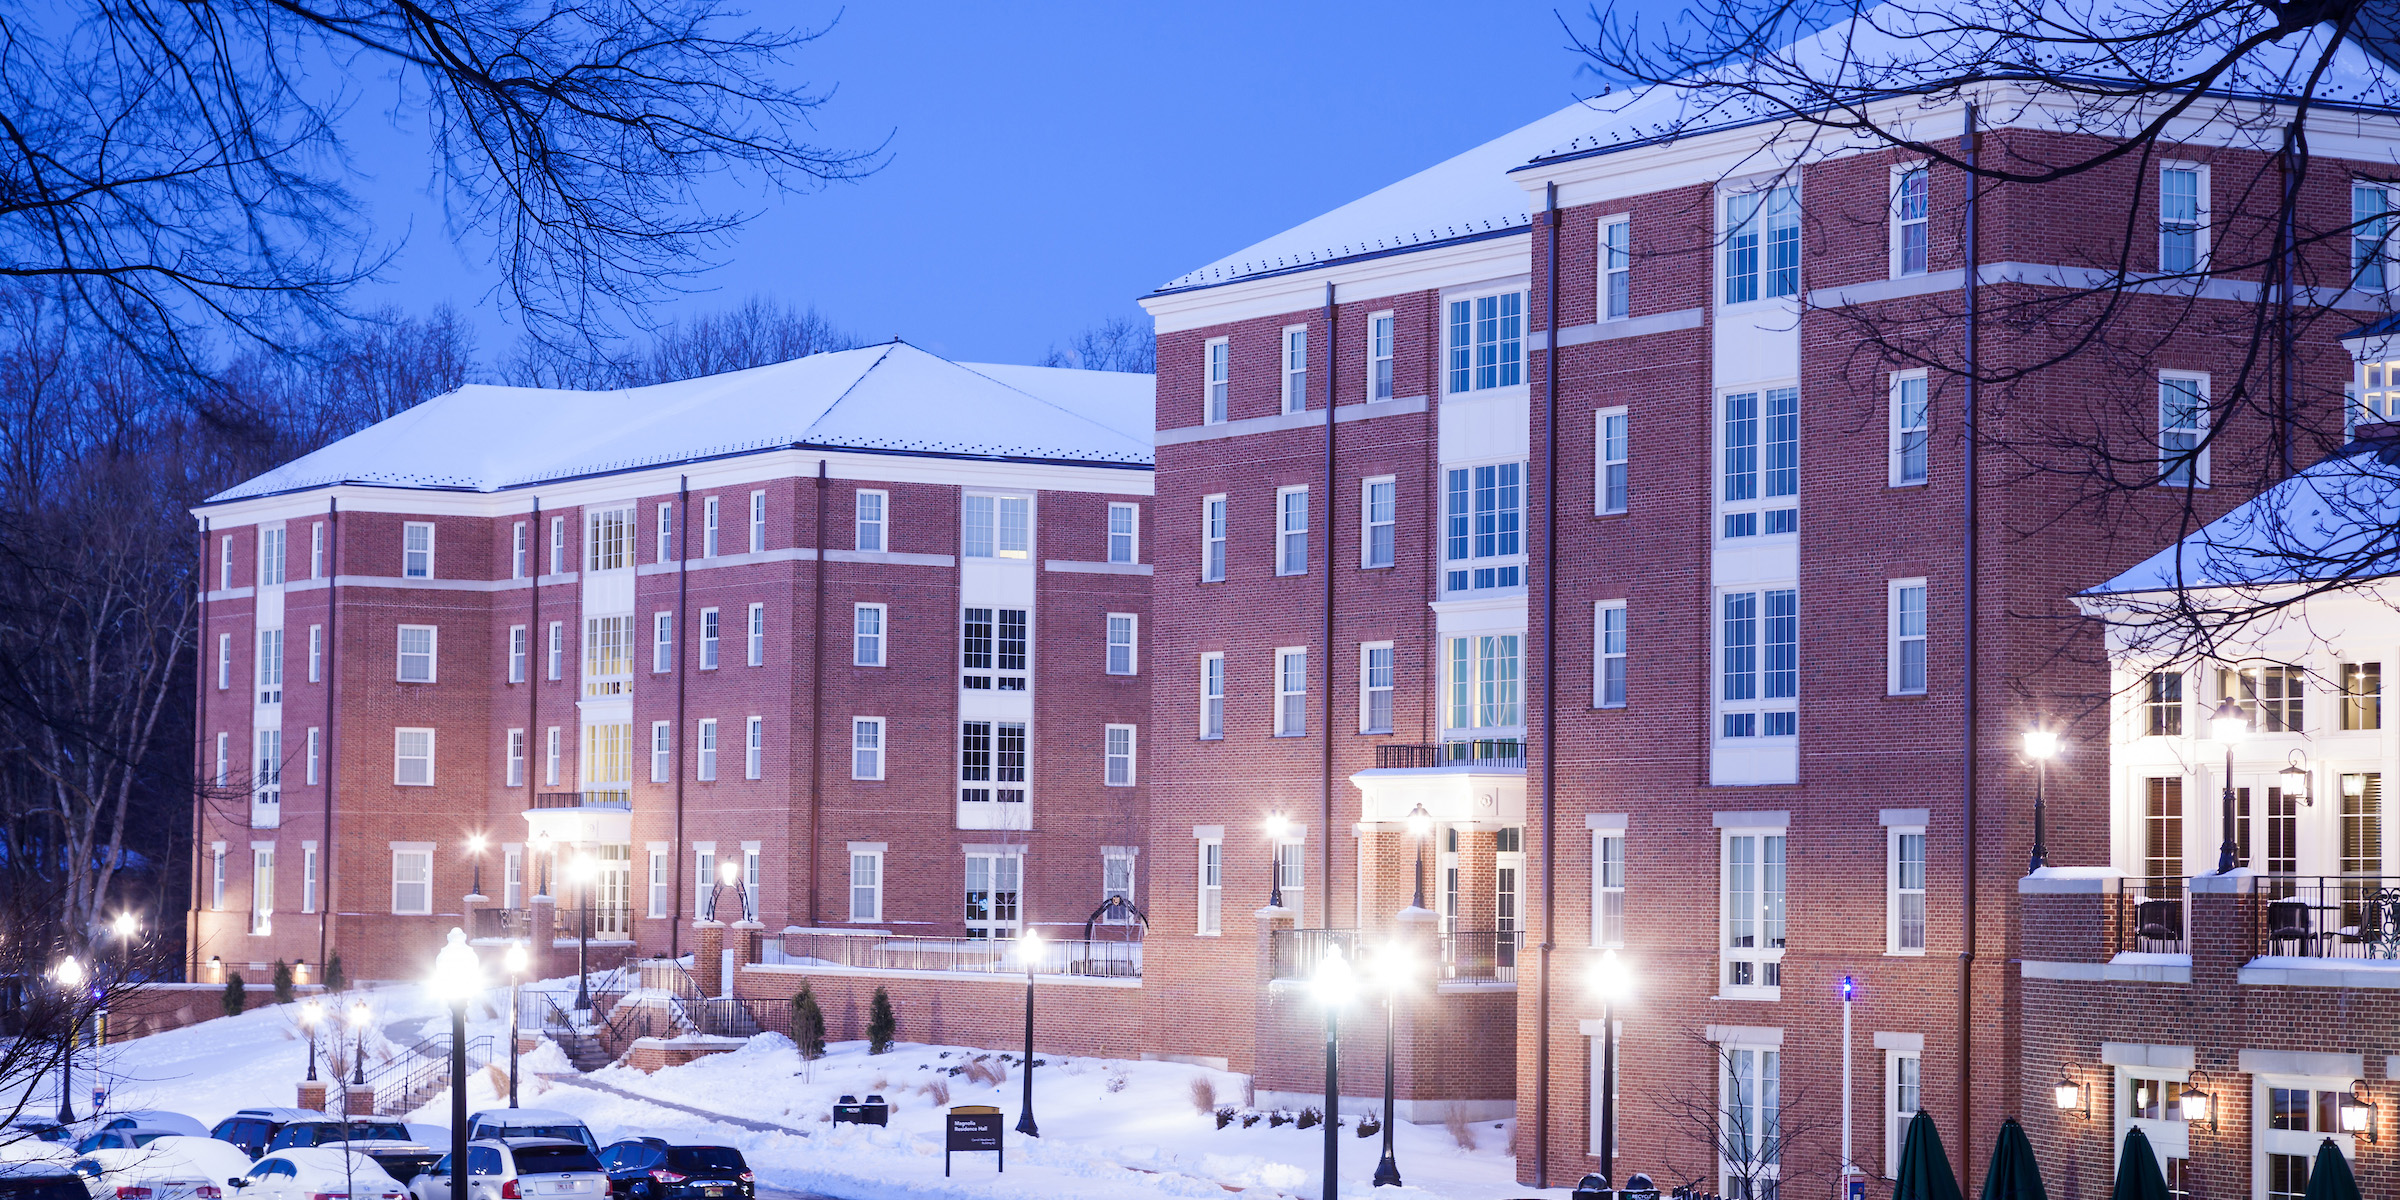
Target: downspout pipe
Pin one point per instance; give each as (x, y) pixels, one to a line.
(816, 719)
(1541, 1011)
(200, 775)
(683, 573)
(1971, 712)
(1332, 507)
(333, 692)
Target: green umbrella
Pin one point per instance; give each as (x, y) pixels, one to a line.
(2138, 1176)
(2013, 1175)
(1924, 1169)
(2329, 1177)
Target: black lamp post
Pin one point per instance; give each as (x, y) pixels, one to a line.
(1277, 826)
(541, 854)
(585, 871)
(475, 848)
(1393, 967)
(1420, 824)
(1030, 947)
(310, 1014)
(1609, 981)
(69, 975)
(1335, 984)
(516, 961)
(359, 1016)
(2228, 726)
(2041, 745)
(456, 979)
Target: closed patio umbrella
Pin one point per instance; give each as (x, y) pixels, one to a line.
(1924, 1169)
(2013, 1175)
(2138, 1176)
(2329, 1177)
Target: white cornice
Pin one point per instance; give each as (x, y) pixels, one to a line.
(1490, 259)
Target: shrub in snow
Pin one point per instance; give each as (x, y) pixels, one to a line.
(235, 1001)
(1204, 1093)
(1116, 1082)
(1250, 1118)
(881, 1024)
(808, 1025)
(283, 982)
(1310, 1118)
(1224, 1116)
(333, 974)
(1278, 1118)
(1370, 1125)
(1460, 1131)
(936, 1090)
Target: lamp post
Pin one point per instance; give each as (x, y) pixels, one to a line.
(456, 979)
(1335, 984)
(586, 871)
(541, 856)
(311, 1013)
(516, 961)
(360, 1015)
(1029, 947)
(475, 849)
(1393, 970)
(2228, 726)
(126, 926)
(2041, 745)
(69, 976)
(1420, 825)
(1610, 983)
(1277, 826)
(727, 874)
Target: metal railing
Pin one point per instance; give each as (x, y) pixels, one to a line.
(1482, 955)
(1507, 754)
(509, 923)
(398, 1084)
(1295, 953)
(2152, 916)
(618, 798)
(1116, 956)
(2327, 916)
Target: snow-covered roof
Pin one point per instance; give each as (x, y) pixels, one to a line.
(892, 398)
(2338, 520)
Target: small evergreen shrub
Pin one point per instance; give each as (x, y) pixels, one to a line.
(881, 1023)
(234, 1000)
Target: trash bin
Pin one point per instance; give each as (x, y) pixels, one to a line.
(1593, 1187)
(874, 1111)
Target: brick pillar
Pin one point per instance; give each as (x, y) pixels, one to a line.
(541, 936)
(708, 956)
(359, 1100)
(312, 1095)
(745, 942)
(468, 905)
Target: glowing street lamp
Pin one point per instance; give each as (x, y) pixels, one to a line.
(516, 961)
(360, 1017)
(2041, 745)
(1277, 826)
(69, 976)
(586, 870)
(1420, 826)
(2228, 726)
(457, 977)
(1334, 986)
(1029, 948)
(1612, 984)
(311, 1013)
(475, 844)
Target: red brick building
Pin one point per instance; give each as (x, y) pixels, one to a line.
(858, 634)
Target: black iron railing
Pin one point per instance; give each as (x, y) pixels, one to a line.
(1295, 953)
(509, 923)
(2327, 916)
(612, 922)
(1482, 955)
(2152, 916)
(618, 799)
(1507, 754)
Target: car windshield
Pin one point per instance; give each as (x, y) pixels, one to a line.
(566, 1133)
(695, 1159)
(367, 1131)
(542, 1160)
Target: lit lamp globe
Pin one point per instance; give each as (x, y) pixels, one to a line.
(2194, 1104)
(311, 1013)
(1029, 949)
(360, 1014)
(68, 973)
(1395, 966)
(2227, 726)
(1335, 983)
(126, 925)
(1609, 980)
(1420, 822)
(2041, 744)
(457, 974)
(1277, 824)
(2066, 1093)
(516, 959)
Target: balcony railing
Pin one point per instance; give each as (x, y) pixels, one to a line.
(1482, 955)
(613, 922)
(1295, 953)
(508, 923)
(617, 798)
(2151, 916)
(1506, 754)
(2327, 916)
(1112, 953)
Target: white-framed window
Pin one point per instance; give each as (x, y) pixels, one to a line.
(1615, 269)
(1486, 342)
(1121, 630)
(710, 633)
(270, 556)
(1759, 438)
(662, 752)
(316, 652)
(1911, 220)
(710, 513)
(416, 550)
(1291, 873)
(608, 539)
(997, 526)
(225, 562)
(216, 873)
(1608, 654)
(2371, 207)
(758, 635)
(1905, 901)
(995, 648)
(517, 651)
(870, 522)
(412, 881)
(662, 642)
(416, 653)
(704, 878)
(1380, 327)
(666, 531)
(315, 751)
(662, 889)
(558, 648)
(2296, 1115)
(1484, 683)
(758, 521)
(519, 550)
(754, 748)
(553, 751)
(1118, 752)
(316, 550)
(1212, 696)
(1758, 663)
(1291, 530)
(1911, 429)
(1750, 1150)
(1612, 460)
(2162, 703)
(1904, 1094)
(1124, 532)
(262, 890)
(266, 769)
(1291, 692)
(1753, 912)
(1483, 527)
(707, 767)
(2183, 428)
(1608, 887)
(866, 884)
(1379, 522)
(1905, 651)
(607, 656)
(1117, 876)
(1295, 368)
(1212, 539)
(515, 776)
(994, 896)
(1761, 239)
(1216, 380)
(270, 666)
(308, 877)
(224, 661)
(866, 635)
(866, 747)
(1375, 687)
(991, 752)
(512, 877)
(1212, 887)
(2182, 218)
(412, 757)
(224, 763)
(558, 545)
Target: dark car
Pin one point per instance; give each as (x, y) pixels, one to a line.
(253, 1128)
(41, 1181)
(387, 1142)
(650, 1169)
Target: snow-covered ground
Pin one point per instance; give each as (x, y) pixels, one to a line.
(1110, 1128)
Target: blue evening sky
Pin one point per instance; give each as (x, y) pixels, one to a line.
(1051, 162)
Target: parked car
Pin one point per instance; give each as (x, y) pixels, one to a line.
(174, 1167)
(648, 1168)
(316, 1173)
(43, 1129)
(40, 1181)
(157, 1118)
(334, 1129)
(124, 1138)
(253, 1128)
(528, 1123)
(520, 1169)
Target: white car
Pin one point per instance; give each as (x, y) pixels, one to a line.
(175, 1167)
(528, 1123)
(520, 1169)
(317, 1173)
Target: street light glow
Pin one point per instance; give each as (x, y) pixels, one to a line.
(457, 974)
(728, 872)
(1335, 983)
(2227, 725)
(1029, 949)
(1277, 826)
(2041, 743)
(475, 843)
(516, 959)
(311, 1013)
(1609, 979)
(1394, 965)
(68, 972)
(360, 1014)
(126, 925)
(1420, 822)
(586, 868)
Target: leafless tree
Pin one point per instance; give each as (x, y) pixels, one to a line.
(758, 333)
(1740, 1125)
(1117, 344)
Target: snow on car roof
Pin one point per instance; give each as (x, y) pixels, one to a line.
(892, 398)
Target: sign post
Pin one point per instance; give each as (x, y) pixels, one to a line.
(972, 1128)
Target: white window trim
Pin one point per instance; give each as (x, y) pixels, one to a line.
(883, 634)
(1282, 533)
(430, 756)
(1392, 355)
(1600, 655)
(1600, 268)
(662, 765)
(882, 524)
(1133, 538)
(2202, 243)
(1216, 407)
(1895, 1126)
(875, 851)
(1222, 563)
(425, 850)
(316, 746)
(1764, 187)
(1762, 954)
(1524, 340)
(712, 645)
(711, 513)
(1600, 837)
(754, 748)
(433, 654)
(512, 768)
(1601, 463)
(1891, 890)
(1282, 653)
(1893, 223)
(1365, 703)
(1133, 755)
(2200, 463)
(711, 746)
(1892, 638)
(1760, 703)
(758, 521)
(662, 642)
(1894, 430)
(557, 649)
(316, 653)
(1367, 525)
(1202, 925)
(1218, 656)
(1133, 645)
(1285, 371)
(883, 746)
(552, 753)
(308, 877)
(224, 661)
(431, 572)
(754, 635)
